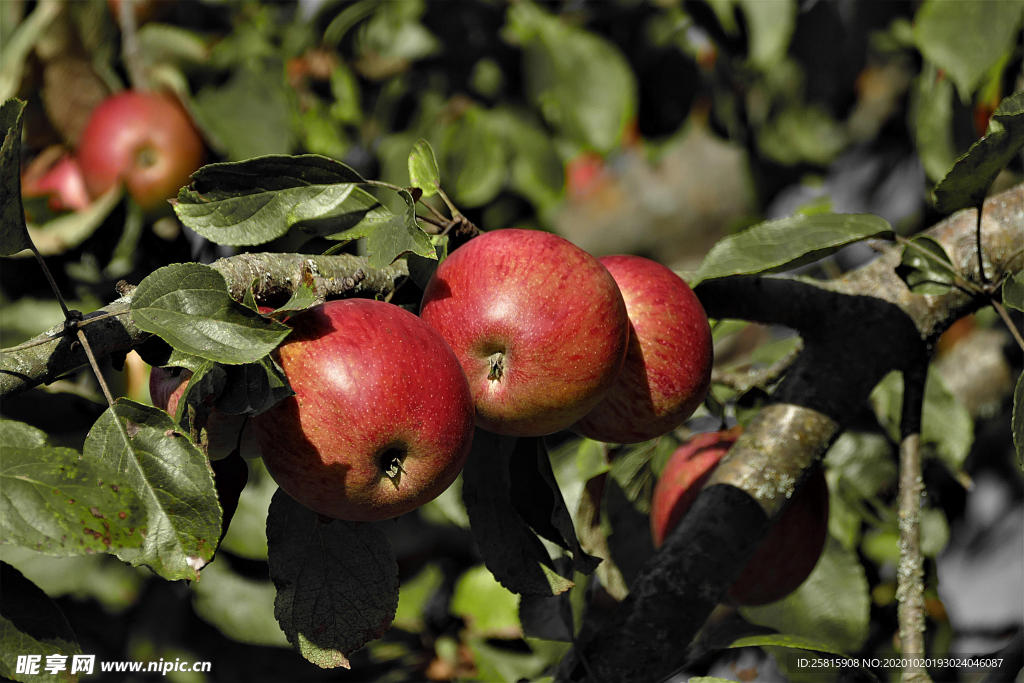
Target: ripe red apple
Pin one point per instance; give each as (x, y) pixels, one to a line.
(143, 139)
(166, 387)
(59, 177)
(538, 324)
(382, 417)
(794, 544)
(668, 366)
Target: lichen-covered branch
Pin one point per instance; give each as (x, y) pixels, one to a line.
(855, 330)
(111, 330)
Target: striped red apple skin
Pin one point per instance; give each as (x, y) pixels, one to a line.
(374, 385)
(668, 366)
(537, 323)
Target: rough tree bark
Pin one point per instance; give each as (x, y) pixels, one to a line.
(855, 330)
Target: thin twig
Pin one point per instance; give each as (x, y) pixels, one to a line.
(744, 381)
(62, 332)
(53, 283)
(1009, 322)
(910, 575)
(433, 210)
(131, 52)
(977, 232)
(95, 366)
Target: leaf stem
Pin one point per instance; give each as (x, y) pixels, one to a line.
(1009, 322)
(451, 207)
(53, 283)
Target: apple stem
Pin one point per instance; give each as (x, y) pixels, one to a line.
(496, 361)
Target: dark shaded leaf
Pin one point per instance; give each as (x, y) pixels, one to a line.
(423, 171)
(253, 388)
(13, 231)
(509, 547)
(188, 305)
(56, 502)
(421, 269)
(538, 500)
(972, 175)
(337, 583)
(789, 242)
(1013, 291)
(931, 118)
(31, 624)
(926, 274)
(172, 478)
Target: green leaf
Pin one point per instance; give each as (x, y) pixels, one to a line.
(1018, 420)
(253, 388)
(31, 624)
(337, 582)
(535, 169)
(832, 607)
(303, 297)
(789, 242)
(13, 232)
(388, 240)
(802, 134)
(582, 84)
(488, 608)
(781, 640)
(241, 608)
(972, 175)
(510, 549)
(473, 157)
(931, 120)
(538, 500)
(247, 535)
(422, 269)
(947, 429)
(771, 26)
(926, 267)
(188, 306)
(423, 171)
(255, 201)
(966, 38)
(172, 478)
(54, 501)
(1013, 291)
(249, 116)
(414, 596)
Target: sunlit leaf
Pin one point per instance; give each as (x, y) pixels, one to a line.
(54, 501)
(972, 175)
(188, 306)
(173, 480)
(787, 243)
(423, 171)
(966, 38)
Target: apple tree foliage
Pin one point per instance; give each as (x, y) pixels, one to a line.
(558, 524)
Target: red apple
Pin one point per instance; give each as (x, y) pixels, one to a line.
(668, 366)
(794, 543)
(59, 177)
(538, 324)
(145, 140)
(166, 387)
(382, 417)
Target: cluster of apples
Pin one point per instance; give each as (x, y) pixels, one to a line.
(520, 332)
(145, 140)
